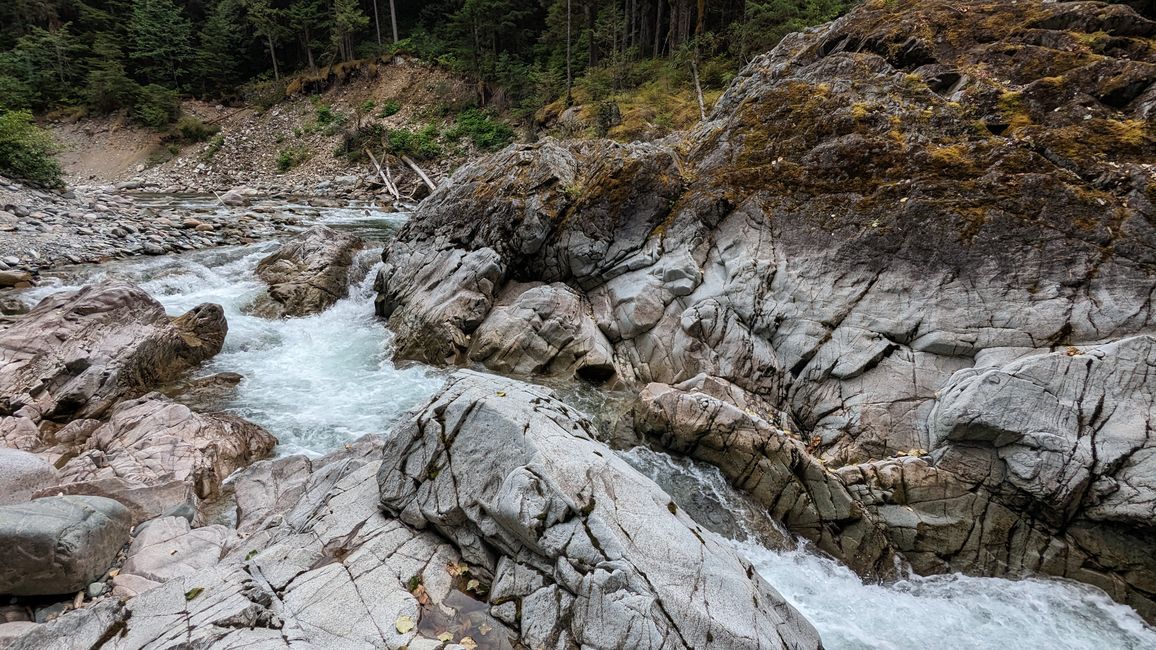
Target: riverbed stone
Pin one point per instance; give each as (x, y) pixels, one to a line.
(77, 353)
(595, 553)
(153, 442)
(309, 273)
(22, 474)
(59, 544)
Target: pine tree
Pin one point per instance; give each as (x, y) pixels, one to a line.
(160, 41)
(347, 20)
(220, 43)
(307, 19)
(267, 20)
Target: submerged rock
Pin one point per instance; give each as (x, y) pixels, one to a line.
(589, 551)
(59, 545)
(308, 273)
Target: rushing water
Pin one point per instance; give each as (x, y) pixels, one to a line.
(316, 382)
(920, 613)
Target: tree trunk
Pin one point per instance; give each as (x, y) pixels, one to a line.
(273, 57)
(377, 22)
(591, 47)
(569, 72)
(658, 29)
(697, 86)
(393, 19)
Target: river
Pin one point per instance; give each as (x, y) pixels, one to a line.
(320, 381)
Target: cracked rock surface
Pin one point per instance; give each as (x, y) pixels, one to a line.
(308, 273)
(76, 354)
(589, 551)
(892, 229)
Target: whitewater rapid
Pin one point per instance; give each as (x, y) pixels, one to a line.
(321, 381)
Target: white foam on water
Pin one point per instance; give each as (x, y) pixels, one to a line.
(314, 382)
(950, 612)
(319, 381)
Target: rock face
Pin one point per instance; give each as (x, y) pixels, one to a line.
(22, 474)
(59, 545)
(879, 221)
(75, 354)
(308, 273)
(152, 442)
(586, 549)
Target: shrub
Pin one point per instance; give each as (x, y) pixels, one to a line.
(486, 133)
(214, 146)
(291, 157)
(389, 108)
(26, 150)
(156, 106)
(422, 144)
(191, 130)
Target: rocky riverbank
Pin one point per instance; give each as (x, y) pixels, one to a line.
(897, 286)
(42, 229)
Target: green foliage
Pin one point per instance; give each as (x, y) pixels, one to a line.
(156, 106)
(421, 144)
(215, 65)
(214, 146)
(108, 87)
(160, 41)
(482, 129)
(26, 150)
(190, 130)
(389, 108)
(290, 157)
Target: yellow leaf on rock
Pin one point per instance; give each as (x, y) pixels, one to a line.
(468, 643)
(501, 393)
(485, 628)
(446, 637)
(404, 623)
(473, 585)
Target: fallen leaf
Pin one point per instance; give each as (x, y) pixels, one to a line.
(473, 585)
(193, 593)
(404, 623)
(421, 595)
(468, 643)
(501, 393)
(485, 628)
(446, 637)
(250, 555)
(456, 569)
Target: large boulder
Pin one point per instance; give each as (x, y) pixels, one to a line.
(308, 273)
(22, 474)
(583, 549)
(59, 545)
(154, 442)
(77, 353)
(873, 216)
(320, 566)
(543, 330)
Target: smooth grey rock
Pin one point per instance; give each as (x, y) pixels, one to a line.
(22, 474)
(543, 330)
(308, 273)
(168, 548)
(59, 544)
(517, 480)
